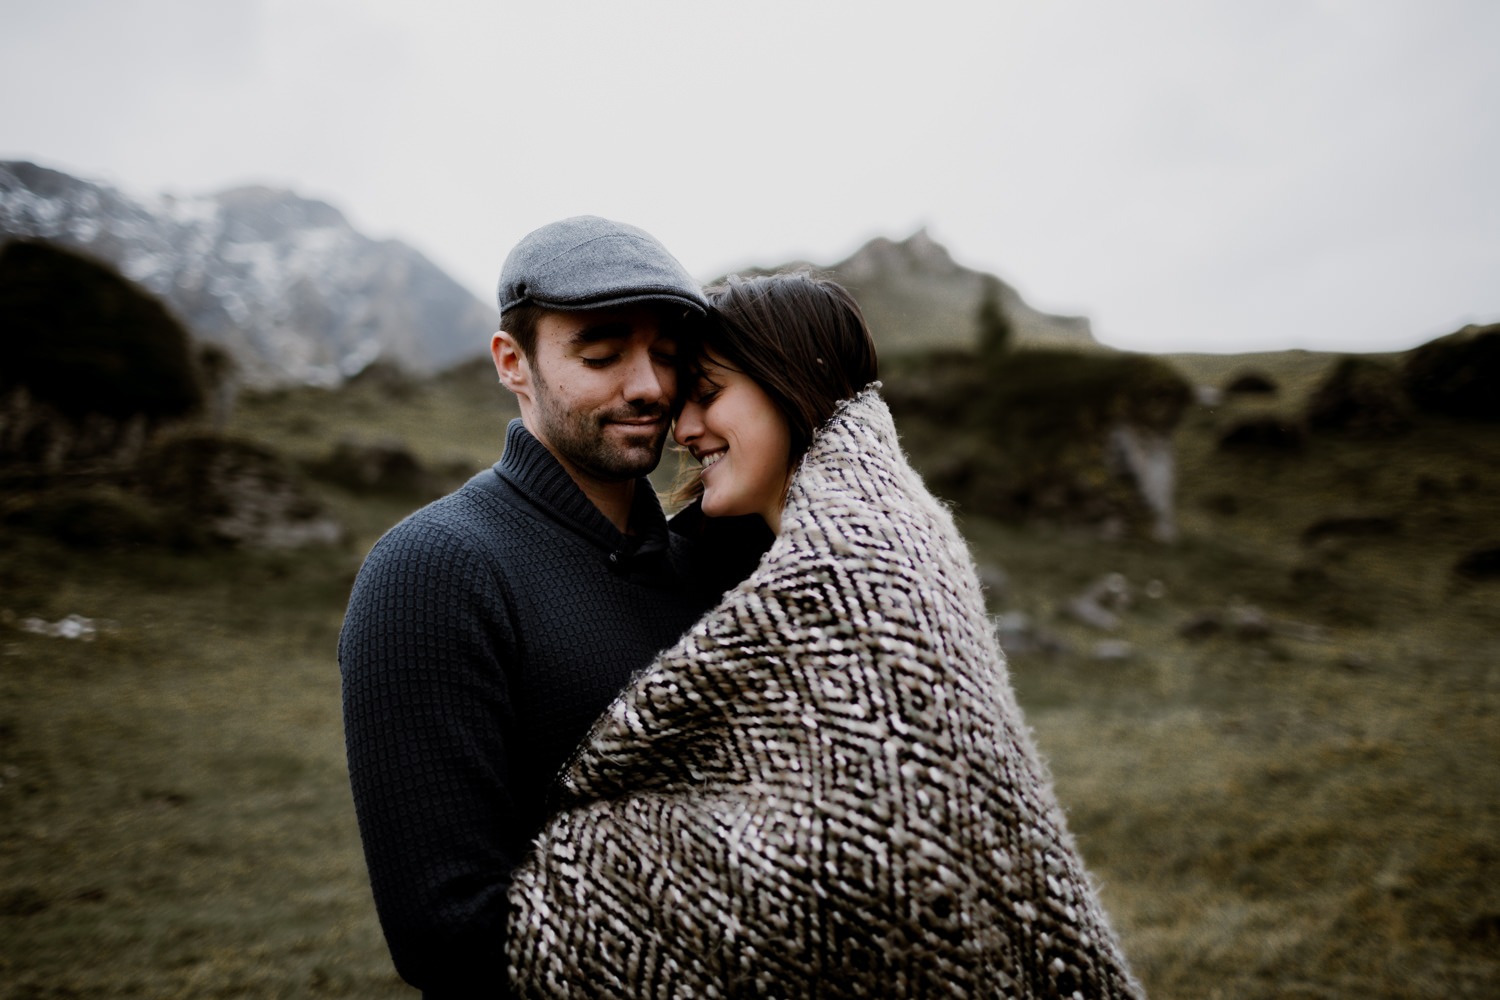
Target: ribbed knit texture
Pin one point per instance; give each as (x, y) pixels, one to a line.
(826, 789)
(484, 635)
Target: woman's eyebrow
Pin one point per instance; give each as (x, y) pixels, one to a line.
(709, 368)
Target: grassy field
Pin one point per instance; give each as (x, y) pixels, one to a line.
(1295, 797)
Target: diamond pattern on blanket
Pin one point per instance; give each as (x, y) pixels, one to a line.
(825, 789)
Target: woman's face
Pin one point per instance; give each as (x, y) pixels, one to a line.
(731, 426)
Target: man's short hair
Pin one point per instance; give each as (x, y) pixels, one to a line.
(521, 321)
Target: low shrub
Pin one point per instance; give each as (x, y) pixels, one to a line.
(97, 516)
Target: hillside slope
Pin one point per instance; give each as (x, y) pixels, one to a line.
(1278, 753)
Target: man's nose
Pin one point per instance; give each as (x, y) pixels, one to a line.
(645, 381)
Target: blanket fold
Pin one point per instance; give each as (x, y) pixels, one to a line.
(824, 789)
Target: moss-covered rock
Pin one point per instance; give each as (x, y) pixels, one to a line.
(1251, 383)
(1360, 396)
(96, 516)
(1482, 563)
(1457, 375)
(1072, 437)
(385, 467)
(1267, 432)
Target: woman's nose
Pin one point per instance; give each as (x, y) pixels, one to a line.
(689, 426)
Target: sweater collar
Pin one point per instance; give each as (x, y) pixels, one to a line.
(536, 473)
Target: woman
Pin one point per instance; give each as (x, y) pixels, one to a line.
(826, 787)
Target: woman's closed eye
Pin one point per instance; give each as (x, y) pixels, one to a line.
(705, 392)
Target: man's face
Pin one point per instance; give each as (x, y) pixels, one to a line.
(600, 385)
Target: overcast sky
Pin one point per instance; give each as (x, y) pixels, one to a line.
(1213, 175)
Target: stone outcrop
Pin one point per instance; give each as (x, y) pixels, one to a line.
(237, 493)
(1064, 436)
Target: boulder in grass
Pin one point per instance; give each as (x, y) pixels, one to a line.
(389, 379)
(1102, 602)
(1251, 383)
(1201, 625)
(93, 517)
(1480, 564)
(1268, 433)
(385, 467)
(1372, 526)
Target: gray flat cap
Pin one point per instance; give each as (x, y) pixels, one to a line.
(588, 263)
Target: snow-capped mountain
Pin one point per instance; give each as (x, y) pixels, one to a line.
(285, 283)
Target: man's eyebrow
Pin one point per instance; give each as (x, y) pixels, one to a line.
(608, 330)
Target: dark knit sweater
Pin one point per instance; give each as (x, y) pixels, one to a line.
(485, 634)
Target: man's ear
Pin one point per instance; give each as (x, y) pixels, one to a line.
(511, 365)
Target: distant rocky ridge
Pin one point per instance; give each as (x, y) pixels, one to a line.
(296, 295)
(284, 283)
(915, 296)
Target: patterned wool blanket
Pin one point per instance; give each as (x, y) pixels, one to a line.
(825, 789)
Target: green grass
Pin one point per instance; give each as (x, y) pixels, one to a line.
(1290, 815)
(1309, 813)
(175, 819)
(459, 416)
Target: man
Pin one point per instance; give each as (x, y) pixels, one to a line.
(487, 631)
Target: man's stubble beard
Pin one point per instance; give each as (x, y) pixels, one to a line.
(579, 437)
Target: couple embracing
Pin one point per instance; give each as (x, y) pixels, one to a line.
(766, 748)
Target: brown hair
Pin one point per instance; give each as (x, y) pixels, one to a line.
(521, 323)
(801, 337)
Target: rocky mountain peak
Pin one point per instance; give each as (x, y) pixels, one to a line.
(916, 296)
(269, 213)
(283, 282)
(881, 257)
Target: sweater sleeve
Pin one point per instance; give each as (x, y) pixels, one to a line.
(429, 730)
